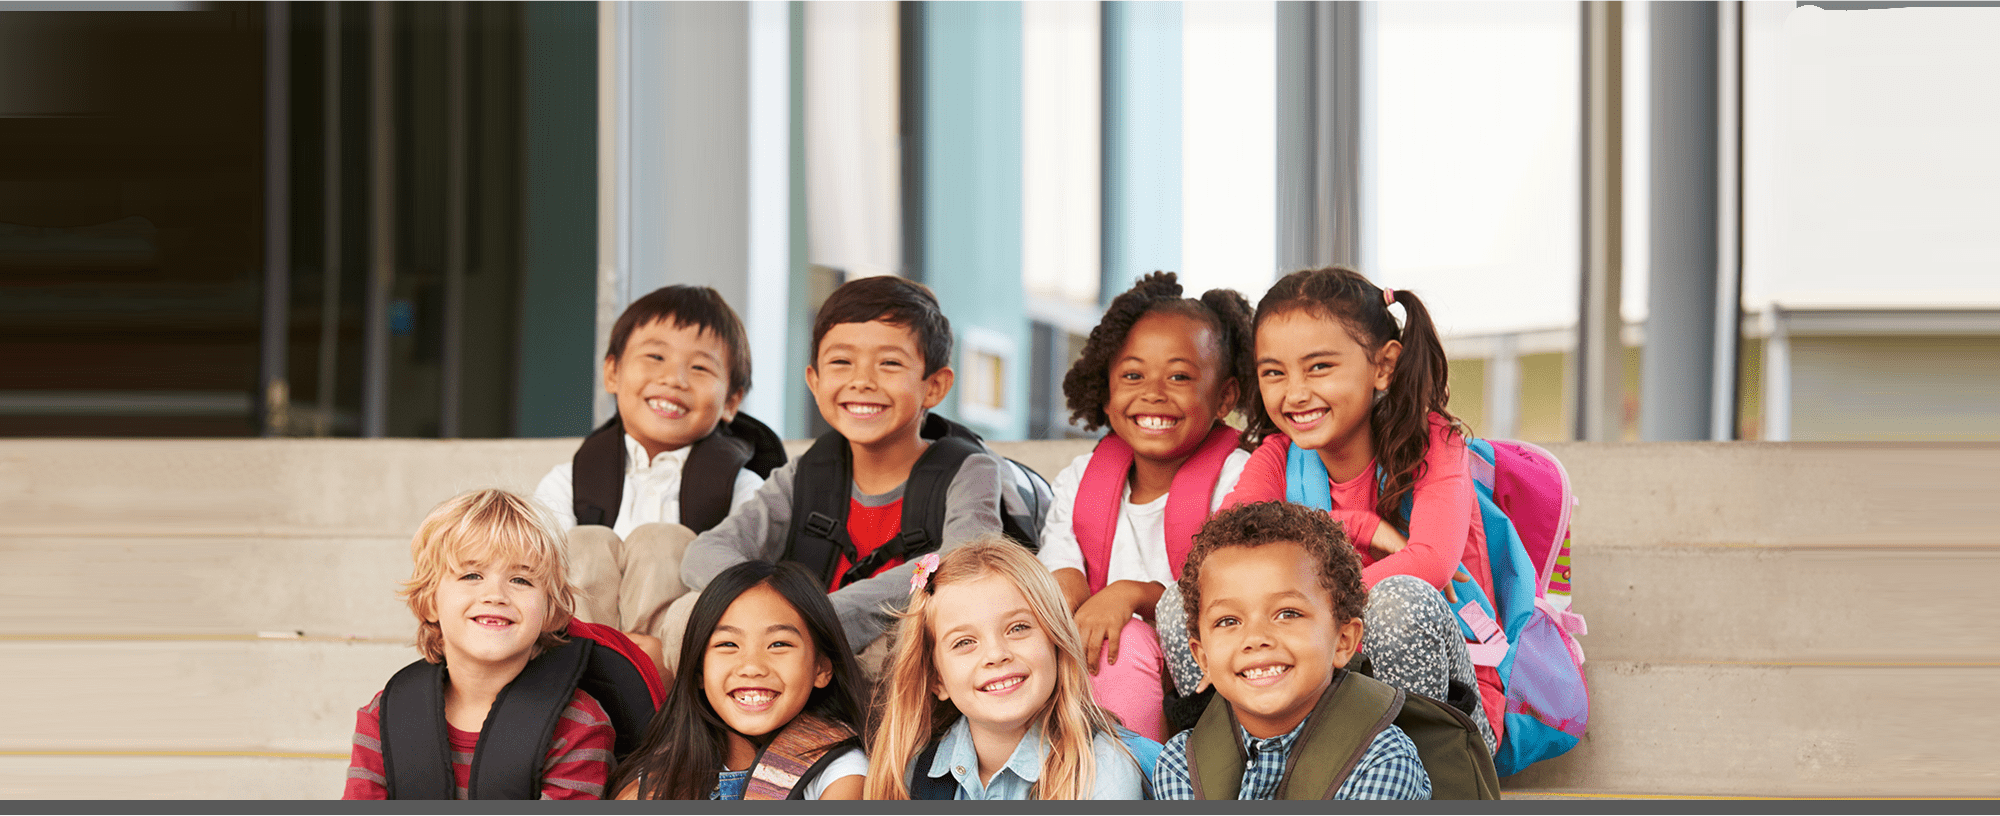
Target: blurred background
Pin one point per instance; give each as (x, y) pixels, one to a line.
(1658, 221)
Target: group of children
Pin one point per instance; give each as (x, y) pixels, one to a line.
(1197, 592)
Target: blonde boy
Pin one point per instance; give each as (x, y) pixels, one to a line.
(490, 592)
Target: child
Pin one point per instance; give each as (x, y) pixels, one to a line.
(881, 351)
(1352, 411)
(1162, 371)
(1273, 597)
(768, 704)
(987, 695)
(672, 461)
(490, 593)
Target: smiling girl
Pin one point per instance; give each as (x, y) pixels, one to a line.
(987, 695)
(1350, 407)
(1161, 371)
(765, 705)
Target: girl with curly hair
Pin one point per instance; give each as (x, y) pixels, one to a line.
(1163, 372)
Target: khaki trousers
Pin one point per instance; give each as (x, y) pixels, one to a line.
(629, 583)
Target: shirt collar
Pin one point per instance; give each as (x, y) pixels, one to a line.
(1252, 746)
(636, 462)
(957, 756)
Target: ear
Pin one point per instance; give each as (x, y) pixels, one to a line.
(1347, 641)
(1200, 657)
(1385, 363)
(937, 385)
(812, 380)
(1230, 394)
(730, 405)
(824, 674)
(610, 374)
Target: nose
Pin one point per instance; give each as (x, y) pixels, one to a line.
(998, 652)
(1256, 635)
(1295, 391)
(674, 375)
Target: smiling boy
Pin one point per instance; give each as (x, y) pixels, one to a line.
(881, 353)
(671, 463)
(1273, 597)
(490, 594)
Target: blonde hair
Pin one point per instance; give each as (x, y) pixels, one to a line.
(910, 716)
(487, 525)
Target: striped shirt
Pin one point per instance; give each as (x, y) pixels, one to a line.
(1389, 770)
(576, 766)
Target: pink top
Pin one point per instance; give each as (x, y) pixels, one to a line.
(1444, 508)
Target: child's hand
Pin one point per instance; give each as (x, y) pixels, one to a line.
(1102, 618)
(1387, 542)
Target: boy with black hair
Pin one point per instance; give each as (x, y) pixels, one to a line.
(672, 462)
(881, 354)
(1273, 597)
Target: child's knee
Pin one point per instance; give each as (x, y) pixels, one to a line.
(1402, 605)
(657, 540)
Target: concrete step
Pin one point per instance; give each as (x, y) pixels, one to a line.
(232, 776)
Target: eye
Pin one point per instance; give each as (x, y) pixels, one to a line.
(1287, 614)
(781, 644)
(470, 576)
(892, 363)
(656, 358)
(837, 361)
(1180, 377)
(1226, 620)
(1269, 373)
(722, 644)
(1019, 628)
(1319, 367)
(961, 643)
(1133, 376)
(523, 581)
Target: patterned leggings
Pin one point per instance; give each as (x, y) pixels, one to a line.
(1408, 632)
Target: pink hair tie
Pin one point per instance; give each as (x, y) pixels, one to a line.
(1388, 297)
(920, 580)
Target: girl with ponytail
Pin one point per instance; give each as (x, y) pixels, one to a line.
(1350, 408)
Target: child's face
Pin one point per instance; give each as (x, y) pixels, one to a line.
(994, 658)
(760, 666)
(1268, 638)
(672, 385)
(869, 383)
(1167, 386)
(491, 613)
(1317, 382)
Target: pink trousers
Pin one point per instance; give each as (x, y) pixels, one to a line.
(1131, 688)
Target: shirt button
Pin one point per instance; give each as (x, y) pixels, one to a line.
(960, 770)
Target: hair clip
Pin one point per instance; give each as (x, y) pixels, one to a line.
(1388, 297)
(921, 578)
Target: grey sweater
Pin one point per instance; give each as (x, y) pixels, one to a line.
(756, 530)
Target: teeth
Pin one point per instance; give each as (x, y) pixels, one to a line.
(1267, 671)
(1157, 423)
(1003, 685)
(860, 410)
(754, 698)
(668, 407)
(489, 620)
(1307, 416)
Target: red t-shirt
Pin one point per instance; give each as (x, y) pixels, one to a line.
(869, 527)
(577, 765)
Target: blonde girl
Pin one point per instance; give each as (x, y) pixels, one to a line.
(987, 695)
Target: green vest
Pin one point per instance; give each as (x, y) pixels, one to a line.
(1339, 730)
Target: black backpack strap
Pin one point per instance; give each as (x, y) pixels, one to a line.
(416, 751)
(925, 786)
(819, 767)
(821, 487)
(922, 526)
(767, 451)
(708, 478)
(515, 738)
(597, 475)
(610, 678)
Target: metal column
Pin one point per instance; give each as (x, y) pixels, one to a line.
(1600, 354)
(1677, 374)
(1324, 156)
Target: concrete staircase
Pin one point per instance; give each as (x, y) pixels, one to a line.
(201, 618)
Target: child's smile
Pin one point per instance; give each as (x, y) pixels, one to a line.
(760, 667)
(1268, 639)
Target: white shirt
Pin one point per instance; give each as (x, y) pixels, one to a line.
(652, 489)
(1139, 545)
(852, 763)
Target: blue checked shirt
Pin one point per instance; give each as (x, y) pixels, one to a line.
(1389, 770)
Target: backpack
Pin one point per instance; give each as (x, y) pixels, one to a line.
(797, 755)
(416, 748)
(1354, 708)
(822, 486)
(597, 471)
(1524, 651)
(1097, 499)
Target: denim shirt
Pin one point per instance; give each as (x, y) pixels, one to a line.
(1117, 775)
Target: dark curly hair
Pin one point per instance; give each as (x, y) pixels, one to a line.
(1087, 386)
(1274, 522)
(1399, 424)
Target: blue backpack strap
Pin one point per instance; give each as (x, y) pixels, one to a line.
(1306, 480)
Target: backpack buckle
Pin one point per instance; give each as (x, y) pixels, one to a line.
(821, 525)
